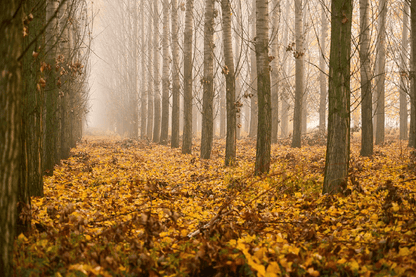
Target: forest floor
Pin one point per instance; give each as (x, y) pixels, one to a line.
(132, 208)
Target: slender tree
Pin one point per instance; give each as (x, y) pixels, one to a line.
(143, 105)
(381, 72)
(300, 72)
(412, 131)
(322, 65)
(187, 78)
(175, 76)
(164, 136)
(274, 66)
(208, 82)
(156, 73)
(263, 88)
(253, 75)
(404, 72)
(229, 72)
(338, 145)
(10, 127)
(366, 95)
(150, 91)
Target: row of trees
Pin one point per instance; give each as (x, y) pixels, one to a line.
(44, 91)
(186, 68)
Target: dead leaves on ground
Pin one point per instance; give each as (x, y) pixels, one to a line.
(129, 208)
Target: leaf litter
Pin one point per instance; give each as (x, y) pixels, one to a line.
(132, 208)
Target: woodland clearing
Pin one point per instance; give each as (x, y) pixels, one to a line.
(132, 208)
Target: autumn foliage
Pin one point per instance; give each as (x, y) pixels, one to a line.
(132, 208)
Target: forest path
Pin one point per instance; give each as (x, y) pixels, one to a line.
(123, 207)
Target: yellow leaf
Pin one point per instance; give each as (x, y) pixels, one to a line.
(273, 267)
(354, 265)
(313, 272)
(404, 251)
(22, 237)
(395, 207)
(342, 261)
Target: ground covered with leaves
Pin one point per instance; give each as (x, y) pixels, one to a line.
(132, 208)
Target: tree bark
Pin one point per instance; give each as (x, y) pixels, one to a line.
(150, 91)
(175, 76)
(366, 94)
(229, 72)
(208, 82)
(156, 73)
(187, 78)
(10, 129)
(286, 87)
(380, 73)
(323, 77)
(412, 131)
(143, 115)
(404, 73)
(253, 77)
(263, 148)
(300, 71)
(274, 67)
(338, 145)
(164, 136)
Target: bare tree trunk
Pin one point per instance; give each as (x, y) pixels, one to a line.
(274, 67)
(223, 110)
(263, 148)
(150, 91)
(300, 71)
(187, 64)
(156, 73)
(380, 72)
(164, 136)
(323, 76)
(143, 123)
(208, 97)
(10, 127)
(338, 147)
(253, 77)
(366, 95)
(412, 131)
(51, 91)
(175, 76)
(285, 93)
(229, 72)
(404, 72)
(238, 34)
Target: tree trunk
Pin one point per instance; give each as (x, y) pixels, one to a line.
(156, 73)
(187, 78)
(175, 76)
(51, 91)
(143, 115)
(404, 72)
(150, 92)
(412, 133)
(300, 71)
(253, 77)
(338, 145)
(10, 129)
(164, 136)
(380, 72)
(229, 72)
(366, 95)
(274, 67)
(263, 148)
(134, 90)
(286, 86)
(323, 76)
(208, 82)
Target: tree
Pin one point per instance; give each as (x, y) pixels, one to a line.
(156, 73)
(380, 72)
(143, 114)
(274, 66)
(338, 145)
(208, 82)
(366, 95)
(187, 78)
(175, 76)
(263, 148)
(404, 72)
(164, 136)
(150, 91)
(412, 132)
(300, 72)
(323, 76)
(10, 127)
(229, 72)
(253, 75)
